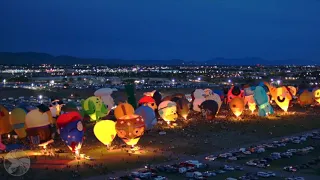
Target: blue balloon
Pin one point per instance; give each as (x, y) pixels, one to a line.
(148, 115)
(72, 134)
(262, 100)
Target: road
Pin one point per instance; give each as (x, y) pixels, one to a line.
(201, 158)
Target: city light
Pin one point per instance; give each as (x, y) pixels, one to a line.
(199, 79)
(4, 81)
(229, 81)
(52, 82)
(271, 80)
(278, 82)
(40, 97)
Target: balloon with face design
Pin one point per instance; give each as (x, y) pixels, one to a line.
(237, 106)
(216, 98)
(168, 111)
(234, 92)
(71, 130)
(123, 109)
(262, 100)
(196, 104)
(149, 101)
(105, 131)
(5, 126)
(94, 107)
(148, 116)
(316, 95)
(306, 98)
(281, 95)
(183, 107)
(130, 128)
(105, 95)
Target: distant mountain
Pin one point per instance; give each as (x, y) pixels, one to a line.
(43, 58)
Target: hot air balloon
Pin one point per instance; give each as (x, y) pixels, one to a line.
(209, 109)
(17, 120)
(234, 92)
(196, 104)
(220, 93)
(183, 107)
(237, 106)
(281, 95)
(71, 130)
(167, 98)
(105, 95)
(38, 127)
(208, 92)
(262, 100)
(148, 115)
(149, 101)
(216, 98)
(130, 128)
(316, 95)
(168, 111)
(248, 98)
(2, 146)
(306, 98)
(55, 107)
(5, 126)
(199, 93)
(177, 96)
(293, 90)
(105, 131)
(123, 109)
(94, 107)
(155, 95)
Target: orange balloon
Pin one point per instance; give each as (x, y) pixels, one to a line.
(5, 126)
(123, 109)
(305, 98)
(237, 106)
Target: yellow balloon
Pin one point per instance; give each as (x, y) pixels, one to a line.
(5, 126)
(281, 95)
(17, 120)
(316, 95)
(105, 131)
(237, 105)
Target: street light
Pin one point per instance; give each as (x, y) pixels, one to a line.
(4, 81)
(40, 97)
(199, 79)
(229, 81)
(278, 81)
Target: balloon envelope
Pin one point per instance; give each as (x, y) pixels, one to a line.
(105, 131)
(123, 109)
(130, 128)
(262, 100)
(209, 109)
(5, 126)
(183, 107)
(306, 98)
(148, 115)
(168, 111)
(196, 103)
(237, 106)
(17, 120)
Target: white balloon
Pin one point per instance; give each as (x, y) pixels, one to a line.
(199, 93)
(196, 103)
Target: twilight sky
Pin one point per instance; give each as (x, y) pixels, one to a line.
(163, 29)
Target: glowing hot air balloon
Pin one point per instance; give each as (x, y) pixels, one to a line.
(105, 131)
(71, 130)
(123, 109)
(281, 95)
(17, 120)
(234, 92)
(130, 128)
(183, 107)
(248, 98)
(148, 115)
(94, 107)
(105, 95)
(316, 95)
(237, 106)
(5, 126)
(262, 101)
(168, 111)
(216, 98)
(305, 98)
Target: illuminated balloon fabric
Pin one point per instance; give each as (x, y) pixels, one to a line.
(262, 101)
(208, 92)
(71, 129)
(196, 103)
(183, 107)
(105, 95)
(234, 92)
(105, 131)
(216, 98)
(17, 120)
(293, 90)
(94, 107)
(5, 126)
(188, 97)
(248, 91)
(306, 98)
(149, 101)
(167, 98)
(209, 109)
(148, 115)
(130, 128)
(123, 109)
(38, 126)
(281, 95)
(55, 107)
(69, 107)
(249, 100)
(237, 106)
(220, 93)
(316, 95)
(168, 111)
